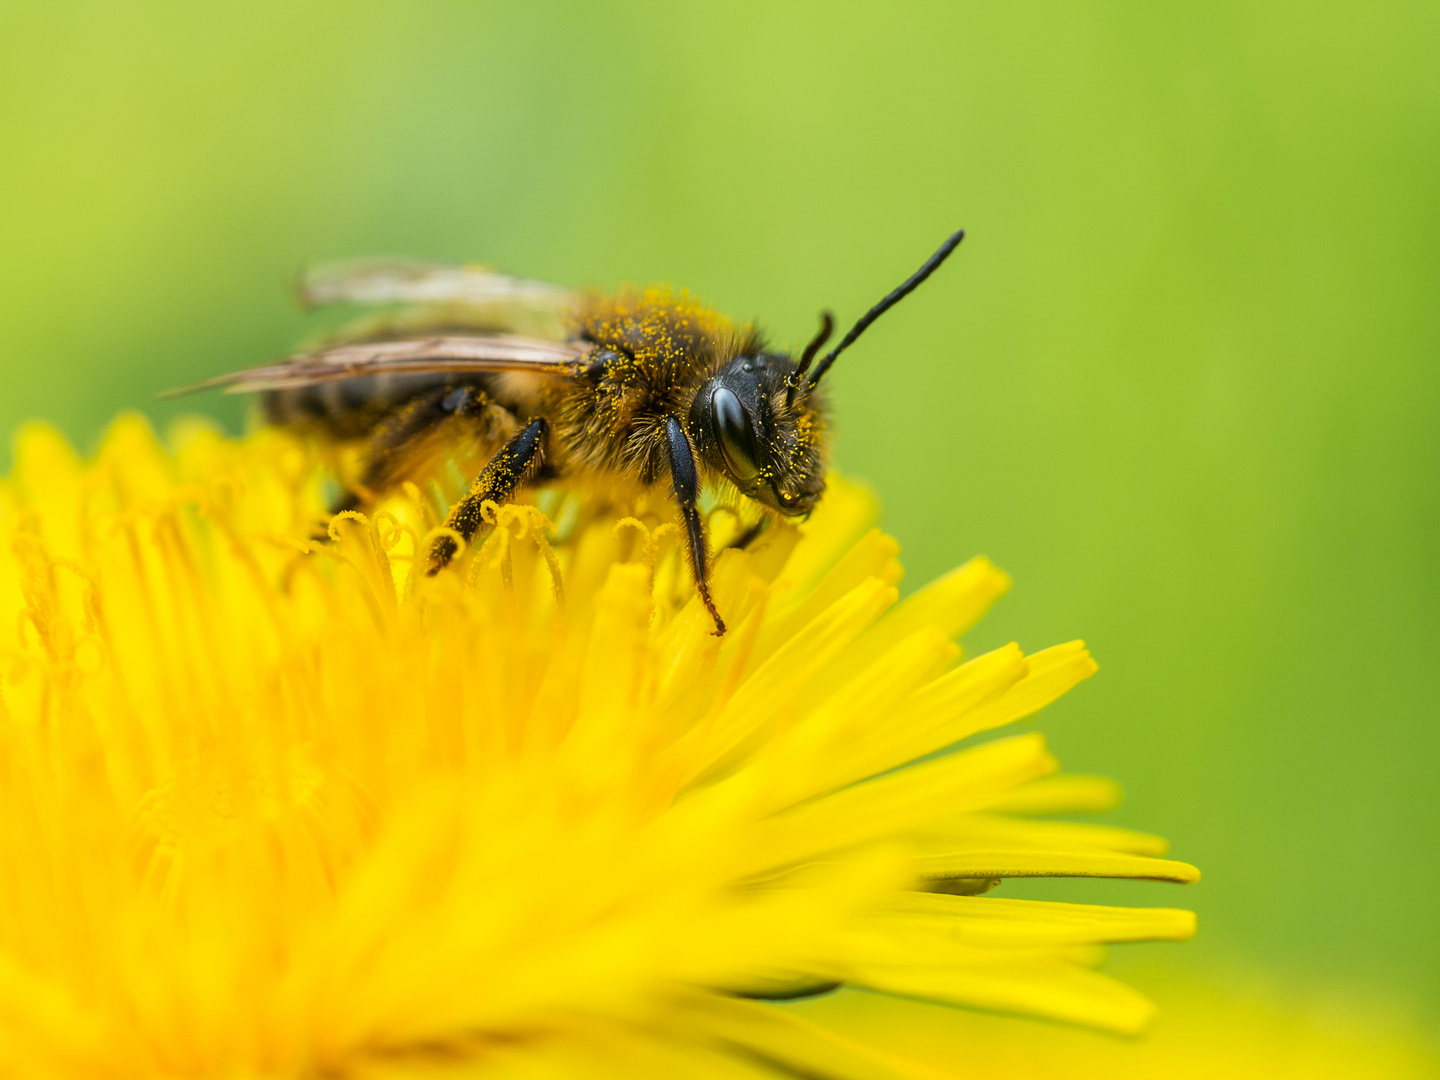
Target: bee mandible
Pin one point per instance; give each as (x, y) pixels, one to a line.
(645, 386)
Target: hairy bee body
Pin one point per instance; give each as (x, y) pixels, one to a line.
(351, 408)
(641, 389)
(651, 354)
(405, 424)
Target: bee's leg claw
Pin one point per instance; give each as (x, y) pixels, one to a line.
(703, 588)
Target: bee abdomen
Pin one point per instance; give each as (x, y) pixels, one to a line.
(345, 408)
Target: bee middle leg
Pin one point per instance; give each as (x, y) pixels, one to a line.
(496, 483)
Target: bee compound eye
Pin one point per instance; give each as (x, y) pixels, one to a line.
(735, 434)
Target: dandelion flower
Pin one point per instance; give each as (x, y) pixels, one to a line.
(279, 808)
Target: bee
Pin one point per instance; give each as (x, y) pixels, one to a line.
(647, 387)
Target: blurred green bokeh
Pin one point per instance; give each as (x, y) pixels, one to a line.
(1183, 379)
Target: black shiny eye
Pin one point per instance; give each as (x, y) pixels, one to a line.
(736, 435)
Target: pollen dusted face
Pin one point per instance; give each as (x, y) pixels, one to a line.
(747, 427)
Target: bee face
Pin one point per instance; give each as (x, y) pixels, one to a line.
(746, 426)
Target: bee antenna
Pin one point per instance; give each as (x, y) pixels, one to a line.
(827, 327)
(905, 289)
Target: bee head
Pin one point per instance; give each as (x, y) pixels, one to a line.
(760, 419)
(748, 424)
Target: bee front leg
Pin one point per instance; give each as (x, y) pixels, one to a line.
(496, 483)
(750, 535)
(687, 489)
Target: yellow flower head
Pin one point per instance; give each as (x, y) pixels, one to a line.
(272, 807)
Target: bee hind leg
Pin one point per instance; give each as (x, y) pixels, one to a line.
(388, 460)
(497, 482)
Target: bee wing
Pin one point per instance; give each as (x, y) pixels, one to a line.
(455, 354)
(411, 281)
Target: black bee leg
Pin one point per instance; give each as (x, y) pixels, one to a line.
(750, 535)
(687, 490)
(496, 483)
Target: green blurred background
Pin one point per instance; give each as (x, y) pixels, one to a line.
(1181, 380)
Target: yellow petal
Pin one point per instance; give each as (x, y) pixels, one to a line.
(1038, 862)
(1005, 921)
(900, 801)
(1060, 795)
(800, 1047)
(982, 830)
(1040, 987)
